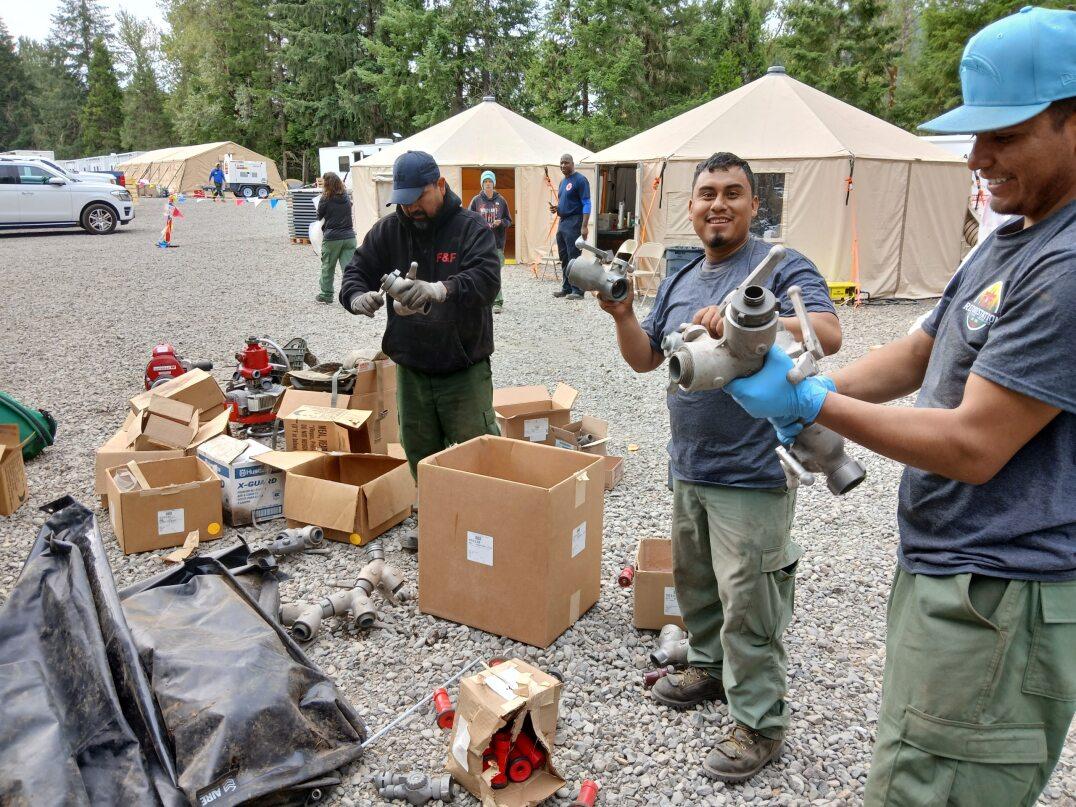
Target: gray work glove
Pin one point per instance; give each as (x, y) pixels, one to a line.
(420, 293)
(366, 303)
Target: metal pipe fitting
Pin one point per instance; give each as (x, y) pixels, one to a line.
(599, 271)
(671, 647)
(415, 787)
(395, 283)
(301, 539)
(821, 450)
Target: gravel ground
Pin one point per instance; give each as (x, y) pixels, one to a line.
(81, 313)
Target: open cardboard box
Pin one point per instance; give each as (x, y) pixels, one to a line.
(527, 413)
(12, 470)
(323, 428)
(250, 491)
(353, 497)
(153, 505)
(166, 423)
(197, 388)
(655, 595)
(511, 693)
(374, 392)
(511, 537)
(587, 434)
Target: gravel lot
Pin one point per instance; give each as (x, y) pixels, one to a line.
(81, 313)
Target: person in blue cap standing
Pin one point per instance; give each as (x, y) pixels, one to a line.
(979, 688)
(573, 208)
(444, 387)
(493, 207)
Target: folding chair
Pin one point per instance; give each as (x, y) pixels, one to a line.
(547, 261)
(647, 276)
(627, 249)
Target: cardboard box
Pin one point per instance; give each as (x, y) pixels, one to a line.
(526, 413)
(166, 500)
(614, 471)
(322, 428)
(374, 392)
(509, 694)
(586, 434)
(196, 388)
(251, 492)
(655, 596)
(353, 497)
(511, 539)
(12, 470)
(121, 448)
(166, 423)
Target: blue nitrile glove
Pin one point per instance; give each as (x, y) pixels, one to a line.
(787, 430)
(768, 393)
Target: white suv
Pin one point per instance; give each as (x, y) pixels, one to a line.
(34, 196)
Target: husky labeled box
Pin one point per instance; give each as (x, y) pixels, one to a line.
(514, 698)
(526, 413)
(511, 537)
(12, 470)
(323, 428)
(251, 492)
(153, 505)
(353, 497)
(655, 596)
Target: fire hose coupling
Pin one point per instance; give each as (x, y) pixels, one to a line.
(600, 271)
(651, 677)
(415, 787)
(588, 794)
(626, 576)
(301, 539)
(443, 708)
(394, 284)
(671, 647)
(306, 619)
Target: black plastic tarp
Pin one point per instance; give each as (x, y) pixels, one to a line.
(188, 692)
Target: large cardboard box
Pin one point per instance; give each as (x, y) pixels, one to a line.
(526, 413)
(196, 388)
(323, 428)
(121, 448)
(153, 505)
(375, 392)
(655, 596)
(251, 492)
(515, 695)
(353, 497)
(12, 470)
(510, 540)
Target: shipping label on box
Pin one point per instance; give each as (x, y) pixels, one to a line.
(12, 471)
(251, 492)
(523, 703)
(324, 428)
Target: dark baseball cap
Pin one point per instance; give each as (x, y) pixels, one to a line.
(411, 173)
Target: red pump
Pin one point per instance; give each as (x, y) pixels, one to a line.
(164, 365)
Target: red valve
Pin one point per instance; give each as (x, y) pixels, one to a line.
(588, 794)
(502, 743)
(627, 574)
(442, 705)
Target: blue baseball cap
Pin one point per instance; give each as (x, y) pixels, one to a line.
(1012, 70)
(411, 173)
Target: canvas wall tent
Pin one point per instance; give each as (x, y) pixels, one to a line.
(486, 136)
(186, 168)
(902, 217)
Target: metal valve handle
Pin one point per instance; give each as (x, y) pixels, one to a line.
(806, 363)
(603, 255)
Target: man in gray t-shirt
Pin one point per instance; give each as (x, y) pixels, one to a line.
(734, 563)
(979, 687)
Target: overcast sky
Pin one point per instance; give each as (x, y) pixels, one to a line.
(31, 17)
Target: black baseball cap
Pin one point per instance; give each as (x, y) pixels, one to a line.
(411, 173)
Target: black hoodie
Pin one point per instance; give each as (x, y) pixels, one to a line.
(458, 249)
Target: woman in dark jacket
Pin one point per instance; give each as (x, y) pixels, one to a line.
(334, 209)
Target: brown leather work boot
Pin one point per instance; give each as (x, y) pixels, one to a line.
(689, 688)
(741, 754)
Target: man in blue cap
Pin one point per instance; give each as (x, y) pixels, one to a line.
(980, 676)
(493, 207)
(573, 208)
(444, 389)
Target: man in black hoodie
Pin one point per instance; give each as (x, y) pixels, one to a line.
(444, 388)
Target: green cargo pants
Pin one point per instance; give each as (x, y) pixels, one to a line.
(437, 411)
(734, 569)
(499, 302)
(978, 693)
(332, 253)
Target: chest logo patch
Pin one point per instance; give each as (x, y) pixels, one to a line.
(568, 187)
(984, 310)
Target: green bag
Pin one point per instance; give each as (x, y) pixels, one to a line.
(36, 424)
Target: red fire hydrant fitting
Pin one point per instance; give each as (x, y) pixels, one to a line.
(442, 705)
(627, 574)
(588, 794)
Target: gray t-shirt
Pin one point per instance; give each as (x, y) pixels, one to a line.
(714, 441)
(1009, 316)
